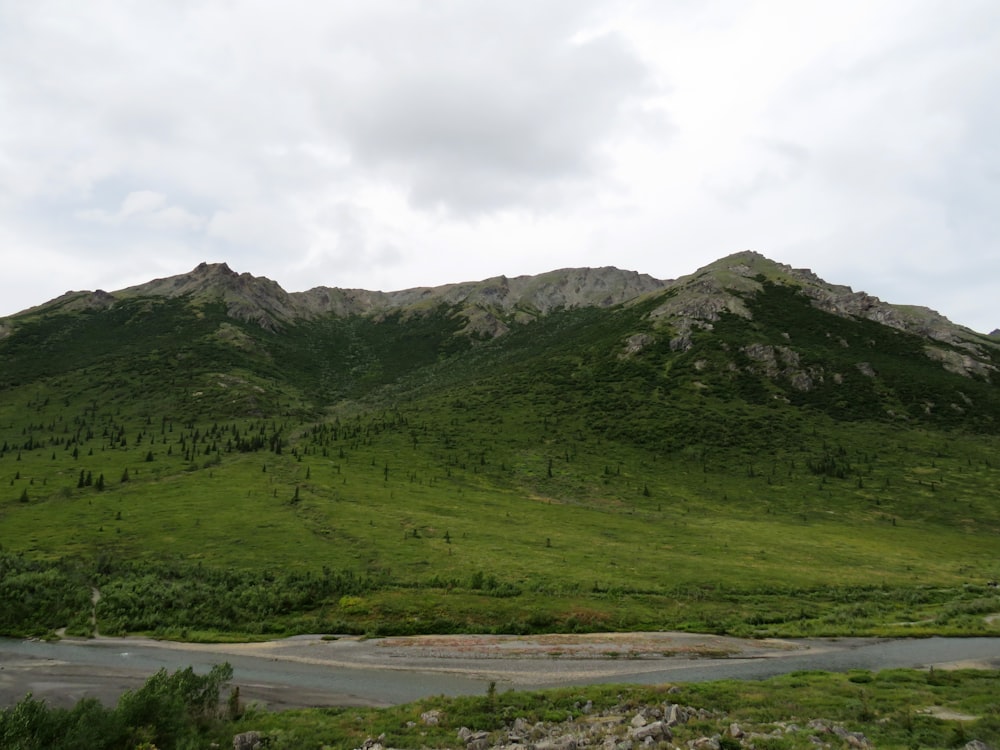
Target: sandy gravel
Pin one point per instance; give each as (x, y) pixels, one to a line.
(535, 659)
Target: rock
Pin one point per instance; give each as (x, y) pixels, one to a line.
(705, 743)
(820, 725)
(474, 740)
(566, 742)
(430, 718)
(675, 715)
(977, 745)
(656, 730)
(866, 369)
(636, 343)
(735, 731)
(248, 741)
(854, 739)
(638, 720)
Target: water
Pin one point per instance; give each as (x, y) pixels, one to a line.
(63, 671)
(843, 655)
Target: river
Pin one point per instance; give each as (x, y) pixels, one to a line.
(313, 671)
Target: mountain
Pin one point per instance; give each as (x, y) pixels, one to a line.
(743, 327)
(744, 449)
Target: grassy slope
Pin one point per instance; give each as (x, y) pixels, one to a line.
(539, 481)
(889, 708)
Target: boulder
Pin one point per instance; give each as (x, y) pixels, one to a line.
(656, 730)
(431, 718)
(248, 741)
(566, 742)
(674, 715)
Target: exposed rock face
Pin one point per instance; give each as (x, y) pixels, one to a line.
(698, 300)
(251, 298)
(960, 364)
(488, 309)
(485, 304)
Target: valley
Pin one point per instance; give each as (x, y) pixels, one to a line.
(747, 452)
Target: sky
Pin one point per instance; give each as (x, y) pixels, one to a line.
(388, 145)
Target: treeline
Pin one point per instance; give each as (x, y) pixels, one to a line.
(170, 710)
(173, 599)
(163, 598)
(40, 596)
(189, 601)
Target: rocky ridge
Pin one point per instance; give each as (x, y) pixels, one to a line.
(698, 301)
(485, 303)
(700, 298)
(490, 307)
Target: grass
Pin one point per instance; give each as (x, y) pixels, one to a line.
(425, 504)
(889, 708)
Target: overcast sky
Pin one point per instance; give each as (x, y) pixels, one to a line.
(390, 144)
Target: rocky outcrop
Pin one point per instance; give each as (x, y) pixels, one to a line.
(960, 363)
(697, 301)
(781, 361)
(253, 299)
(248, 741)
(624, 728)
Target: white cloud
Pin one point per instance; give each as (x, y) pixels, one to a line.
(146, 209)
(391, 144)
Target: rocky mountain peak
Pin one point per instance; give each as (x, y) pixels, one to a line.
(698, 300)
(255, 299)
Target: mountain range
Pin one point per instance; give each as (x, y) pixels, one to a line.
(677, 311)
(717, 449)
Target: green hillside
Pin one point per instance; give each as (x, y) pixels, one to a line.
(789, 471)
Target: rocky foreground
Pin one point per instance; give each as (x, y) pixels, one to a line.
(624, 727)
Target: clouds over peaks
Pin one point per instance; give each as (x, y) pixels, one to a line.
(477, 108)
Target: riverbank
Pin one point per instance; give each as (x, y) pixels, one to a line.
(352, 671)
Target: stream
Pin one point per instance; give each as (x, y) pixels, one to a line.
(309, 671)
